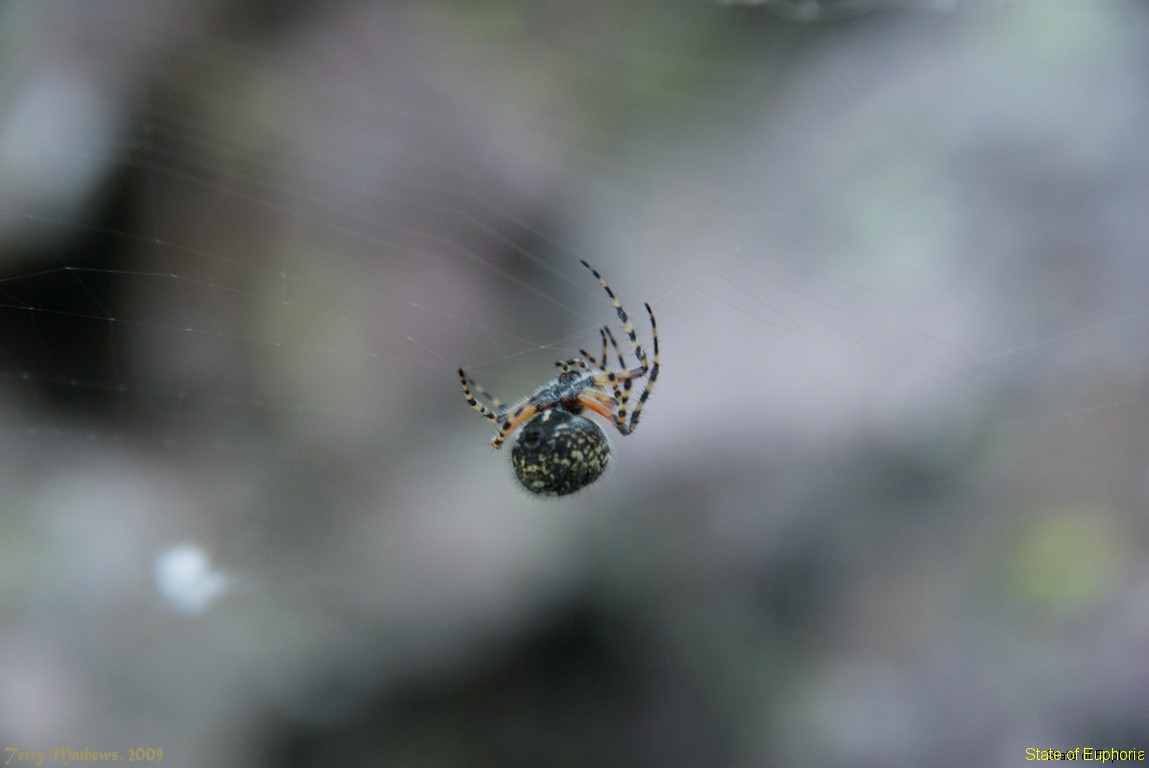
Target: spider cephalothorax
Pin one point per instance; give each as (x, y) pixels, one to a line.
(557, 450)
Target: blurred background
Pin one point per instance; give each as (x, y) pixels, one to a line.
(887, 505)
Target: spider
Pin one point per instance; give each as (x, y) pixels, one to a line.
(557, 450)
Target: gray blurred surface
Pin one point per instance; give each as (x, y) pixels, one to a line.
(887, 506)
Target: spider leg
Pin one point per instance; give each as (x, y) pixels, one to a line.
(621, 395)
(478, 389)
(601, 362)
(565, 365)
(512, 421)
(606, 334)
(626, 377)
(639, 352)
(471, 401)
(650, 379)
(599, 402)
(615, 406)
(508, 421)
(621, 382)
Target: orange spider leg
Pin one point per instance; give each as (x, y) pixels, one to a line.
(513, 423)
(599, 402)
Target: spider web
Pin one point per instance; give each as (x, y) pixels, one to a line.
(242, 253)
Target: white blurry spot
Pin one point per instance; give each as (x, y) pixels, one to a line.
(187, 580)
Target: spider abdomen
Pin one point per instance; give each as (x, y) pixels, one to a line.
(558, 452)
